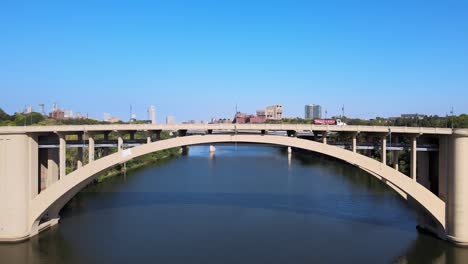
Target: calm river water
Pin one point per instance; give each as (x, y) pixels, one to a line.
(246, 204)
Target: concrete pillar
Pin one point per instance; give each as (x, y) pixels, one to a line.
(91, 148)
(43, 170)
(324, 137)
(443, 166)
(79, 155)
(35, 177)
(383, 150)
(132, 135)
(149, 135)
(62, 156)
(119, 142)
(396, 155)
(413, 158)
(18, 173)
(457, 188)
(354, 144)
(52, 166)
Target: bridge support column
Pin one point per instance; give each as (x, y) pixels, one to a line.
(443, 166)
(149, 136)
(354, 144)
(91, 148)
(457, 189)
(119, 142)
(42, 168)
(396, 155)
(383, 150)
(62, 156)
(52, 166)
(413, 158)
(79, 158)
(324, 137)
(18, 184)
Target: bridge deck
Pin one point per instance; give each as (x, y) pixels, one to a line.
(226, 127)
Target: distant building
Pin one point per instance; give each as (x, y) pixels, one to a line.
(170, 120)
(68, 114)
(42, 109)
(221, 121)
(57, 114)
(312, 111)
(243, 118)
(152, 114)
(114, 119)
(28, 110)
(272, 112)
(411, 116)
(261, 113)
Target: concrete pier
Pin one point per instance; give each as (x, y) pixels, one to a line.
(457, 189)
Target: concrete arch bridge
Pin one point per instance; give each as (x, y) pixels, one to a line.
(34, 185)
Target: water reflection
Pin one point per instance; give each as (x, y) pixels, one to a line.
(49, 247)
(427, 249)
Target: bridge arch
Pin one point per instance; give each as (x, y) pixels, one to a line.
(56, 196)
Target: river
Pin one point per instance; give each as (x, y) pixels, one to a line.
(245, 204)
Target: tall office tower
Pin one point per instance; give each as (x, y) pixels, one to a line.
(152, 114)
(312, 111)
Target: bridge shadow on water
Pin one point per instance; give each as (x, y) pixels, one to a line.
(353, 208)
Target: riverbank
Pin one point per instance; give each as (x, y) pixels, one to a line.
(137, 163)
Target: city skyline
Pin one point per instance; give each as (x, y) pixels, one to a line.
(198, 61)
(150, 113)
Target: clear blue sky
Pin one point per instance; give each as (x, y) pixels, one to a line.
(197, 59)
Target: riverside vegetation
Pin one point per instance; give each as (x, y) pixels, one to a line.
(142, 161)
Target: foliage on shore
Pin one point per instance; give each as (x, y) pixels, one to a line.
(73, 155)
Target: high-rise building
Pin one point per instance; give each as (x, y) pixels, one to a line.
(42, 109)
(170, 120)
(312, 111)
(28, 109)
(152, 114)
